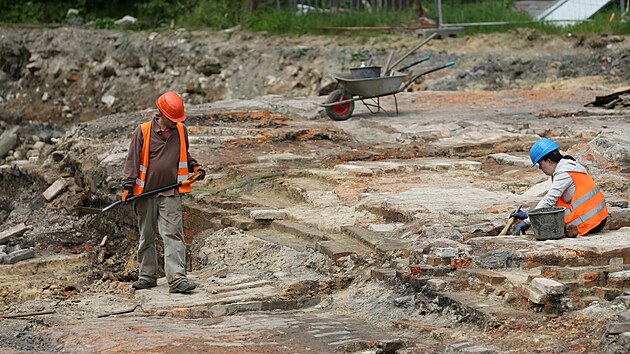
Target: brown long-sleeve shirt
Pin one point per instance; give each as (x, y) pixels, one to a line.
(163, 159)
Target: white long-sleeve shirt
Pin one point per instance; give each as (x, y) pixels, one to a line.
(562, 185)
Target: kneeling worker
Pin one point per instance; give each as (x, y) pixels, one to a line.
(571, 188)
(158, 156)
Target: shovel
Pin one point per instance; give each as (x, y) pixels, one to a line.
(86, 210)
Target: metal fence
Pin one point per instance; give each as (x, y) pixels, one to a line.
(445, 12)
(344, 6)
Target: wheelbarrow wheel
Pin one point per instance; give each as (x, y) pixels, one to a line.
(340, 111)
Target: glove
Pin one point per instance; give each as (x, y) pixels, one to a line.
(520, 228)
(521, 215)
(126, 193)
(202, 174)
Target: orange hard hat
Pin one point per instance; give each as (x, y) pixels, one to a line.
(171, 106)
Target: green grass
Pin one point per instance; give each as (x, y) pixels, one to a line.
(281, 23)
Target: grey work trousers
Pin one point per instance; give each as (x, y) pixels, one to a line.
(163, 214)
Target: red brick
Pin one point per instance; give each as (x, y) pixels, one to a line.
(607, 293)
(458, 263)
(591, 276)
(590, 284)
(437, 261)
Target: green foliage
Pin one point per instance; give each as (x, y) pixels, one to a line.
(103, 23)
(33, 11)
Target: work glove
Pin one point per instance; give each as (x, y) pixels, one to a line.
(126, 193)
(202, 174)
(521, 215)
(520, 228)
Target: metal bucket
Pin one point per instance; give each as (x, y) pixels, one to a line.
(365, 72)
(548, 223)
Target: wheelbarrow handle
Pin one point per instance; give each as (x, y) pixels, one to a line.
(414, 64)
(413, 79)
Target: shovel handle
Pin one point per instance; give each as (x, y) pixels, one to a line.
(414, 64)
(188, 181)
(510, 222)
(28, 314)
(192, 178)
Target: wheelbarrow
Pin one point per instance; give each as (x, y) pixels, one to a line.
(340, 103)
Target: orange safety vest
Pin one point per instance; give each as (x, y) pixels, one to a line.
(182, 167)
(587, 208)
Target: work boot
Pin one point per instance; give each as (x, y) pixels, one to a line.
(184, 286)
(143, 284)
(571, 231)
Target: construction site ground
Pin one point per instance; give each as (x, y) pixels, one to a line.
(378, 234)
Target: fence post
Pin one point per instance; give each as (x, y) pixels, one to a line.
(623, 10)
(438, 8)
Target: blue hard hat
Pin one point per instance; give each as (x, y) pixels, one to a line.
(541, 148)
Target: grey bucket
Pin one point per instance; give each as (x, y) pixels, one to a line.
(365, 72)
(548, 223)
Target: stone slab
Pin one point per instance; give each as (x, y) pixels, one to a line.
(486, 276)
(548, 286)
(267, 214)
(207, 294)
(592, 250)
(13, 231)
(19, 255)
(334, 250)
(299, 230)
(507, 159)
(534, 295)
(618, 327)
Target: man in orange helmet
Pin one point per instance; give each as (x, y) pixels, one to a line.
(158, 156)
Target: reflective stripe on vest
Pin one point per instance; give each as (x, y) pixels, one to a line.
(588, 206)
(182, 166)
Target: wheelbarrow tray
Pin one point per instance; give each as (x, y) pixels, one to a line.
(370, 87)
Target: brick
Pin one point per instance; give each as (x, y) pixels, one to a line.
(591, 276)
(459, 263)
(486, 276)
(421, 269)
(559, 273)
(437, 261)
(534, 295)
(443, 252)
(436, 284)
(55, 189)
(383, 274)
(589, 284)
(571, 287)
(417, 282)
(607, 293)
(548, 286)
